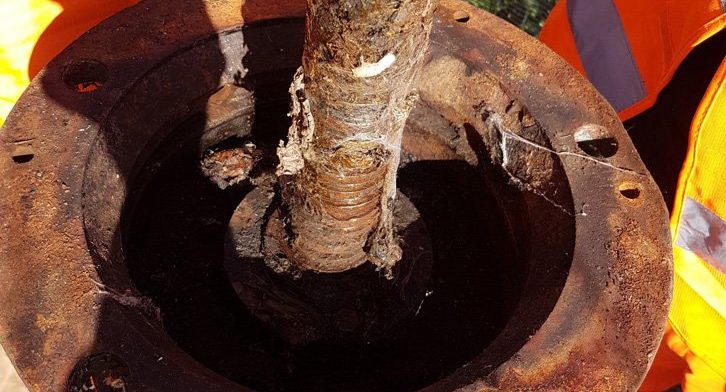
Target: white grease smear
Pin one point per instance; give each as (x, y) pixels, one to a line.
(368, 70)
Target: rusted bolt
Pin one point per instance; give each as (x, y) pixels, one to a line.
(229, 166)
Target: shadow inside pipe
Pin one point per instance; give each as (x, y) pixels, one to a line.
(174, 252)
(155, 226)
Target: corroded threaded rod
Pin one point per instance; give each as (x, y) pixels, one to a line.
(350, 103)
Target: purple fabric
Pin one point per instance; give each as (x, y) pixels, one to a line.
(702, 232)
(605, 52)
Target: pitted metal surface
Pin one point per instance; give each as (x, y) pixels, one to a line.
(68, 157)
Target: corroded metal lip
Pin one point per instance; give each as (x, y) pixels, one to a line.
(60, 250)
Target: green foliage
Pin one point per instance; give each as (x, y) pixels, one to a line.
(528, 15)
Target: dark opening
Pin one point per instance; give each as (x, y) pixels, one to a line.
(461, 16)
(23, 154)
(85, 76)
(599, 148)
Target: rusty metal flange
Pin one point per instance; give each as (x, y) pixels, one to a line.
(67, 157)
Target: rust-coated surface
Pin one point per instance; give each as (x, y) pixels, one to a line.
(60, 245)
(361, 62)
(302, 307)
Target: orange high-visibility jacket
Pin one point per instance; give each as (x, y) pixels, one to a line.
(629, 50)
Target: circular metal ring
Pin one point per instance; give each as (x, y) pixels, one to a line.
(536, 119)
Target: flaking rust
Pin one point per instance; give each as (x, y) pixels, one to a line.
(62, 201)
(351, 99)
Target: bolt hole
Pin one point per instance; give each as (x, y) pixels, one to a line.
(461, 16)
(85, 76)
(103, 372)
(596, 141)
(23, 154)
(23, 158)
(629, 191)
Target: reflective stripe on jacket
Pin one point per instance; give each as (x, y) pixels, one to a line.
(698, 224)
(630, 49)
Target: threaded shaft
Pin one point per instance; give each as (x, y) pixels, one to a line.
(360, 63)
